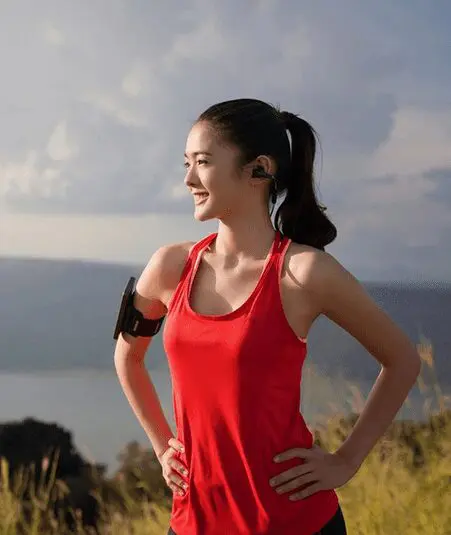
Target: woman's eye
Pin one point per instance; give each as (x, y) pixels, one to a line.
(186, 164)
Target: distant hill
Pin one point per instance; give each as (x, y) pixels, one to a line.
(59, 315)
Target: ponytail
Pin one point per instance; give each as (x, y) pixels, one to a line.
(301, 216)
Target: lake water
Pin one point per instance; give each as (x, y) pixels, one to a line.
(88, 403)
(93, 407)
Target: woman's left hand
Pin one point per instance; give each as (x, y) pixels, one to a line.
(320, 471)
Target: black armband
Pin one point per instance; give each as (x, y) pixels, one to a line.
(130, 320)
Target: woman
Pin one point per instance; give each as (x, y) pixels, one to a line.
(239, 305)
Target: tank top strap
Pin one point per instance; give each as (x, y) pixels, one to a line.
(189, 267)
(272, 261)
(278, 254)
(195, 256)
(200, 246)
(267, 290)
(273, 271)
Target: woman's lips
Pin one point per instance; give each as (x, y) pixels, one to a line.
(200, 197)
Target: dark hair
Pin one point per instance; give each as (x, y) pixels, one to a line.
(258, 128)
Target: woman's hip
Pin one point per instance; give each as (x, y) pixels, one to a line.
(335, 526)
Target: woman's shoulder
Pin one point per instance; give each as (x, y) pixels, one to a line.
(173, 256)
(313, 268)
(164, 269)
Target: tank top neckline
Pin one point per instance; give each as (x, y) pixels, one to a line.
(275, 246)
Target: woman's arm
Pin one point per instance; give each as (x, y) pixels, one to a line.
(160, 276)
(344, 300)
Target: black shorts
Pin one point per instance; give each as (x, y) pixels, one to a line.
(335, 526)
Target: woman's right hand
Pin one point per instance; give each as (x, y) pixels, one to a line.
(172, 468)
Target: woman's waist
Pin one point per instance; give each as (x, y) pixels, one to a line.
(232, 444)
(242, 410)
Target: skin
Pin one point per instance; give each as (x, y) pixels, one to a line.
(313, 283)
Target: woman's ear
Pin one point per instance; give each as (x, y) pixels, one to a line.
(266, 163)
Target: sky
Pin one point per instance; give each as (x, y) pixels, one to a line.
(97, 98)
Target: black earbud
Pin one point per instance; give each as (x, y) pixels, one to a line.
(259, 172)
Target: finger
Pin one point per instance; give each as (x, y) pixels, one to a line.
(176, 444)
(305, 493)
(176, 465)
(176, 489)
(177, 480)
(293, 453)
(291, 473)
(297, 483)
(307, 478)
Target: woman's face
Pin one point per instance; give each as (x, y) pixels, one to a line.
(212, 171)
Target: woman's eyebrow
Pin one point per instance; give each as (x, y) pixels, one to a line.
(199, 152)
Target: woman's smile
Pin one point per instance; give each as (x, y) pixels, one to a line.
(200, 197)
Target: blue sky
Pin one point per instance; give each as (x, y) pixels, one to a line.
(97, 98)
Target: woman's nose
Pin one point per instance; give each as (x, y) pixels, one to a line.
(190, 178)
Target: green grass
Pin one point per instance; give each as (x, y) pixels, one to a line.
(402, 487)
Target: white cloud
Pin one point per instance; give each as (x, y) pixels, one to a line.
(206, 42)
(59, 146)
(420, 141)
(111, 105)
(29, 179)
(179, 191)
(53, 35)
(136, 81)
(130, 240)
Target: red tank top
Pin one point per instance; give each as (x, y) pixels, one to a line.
(236, 395)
